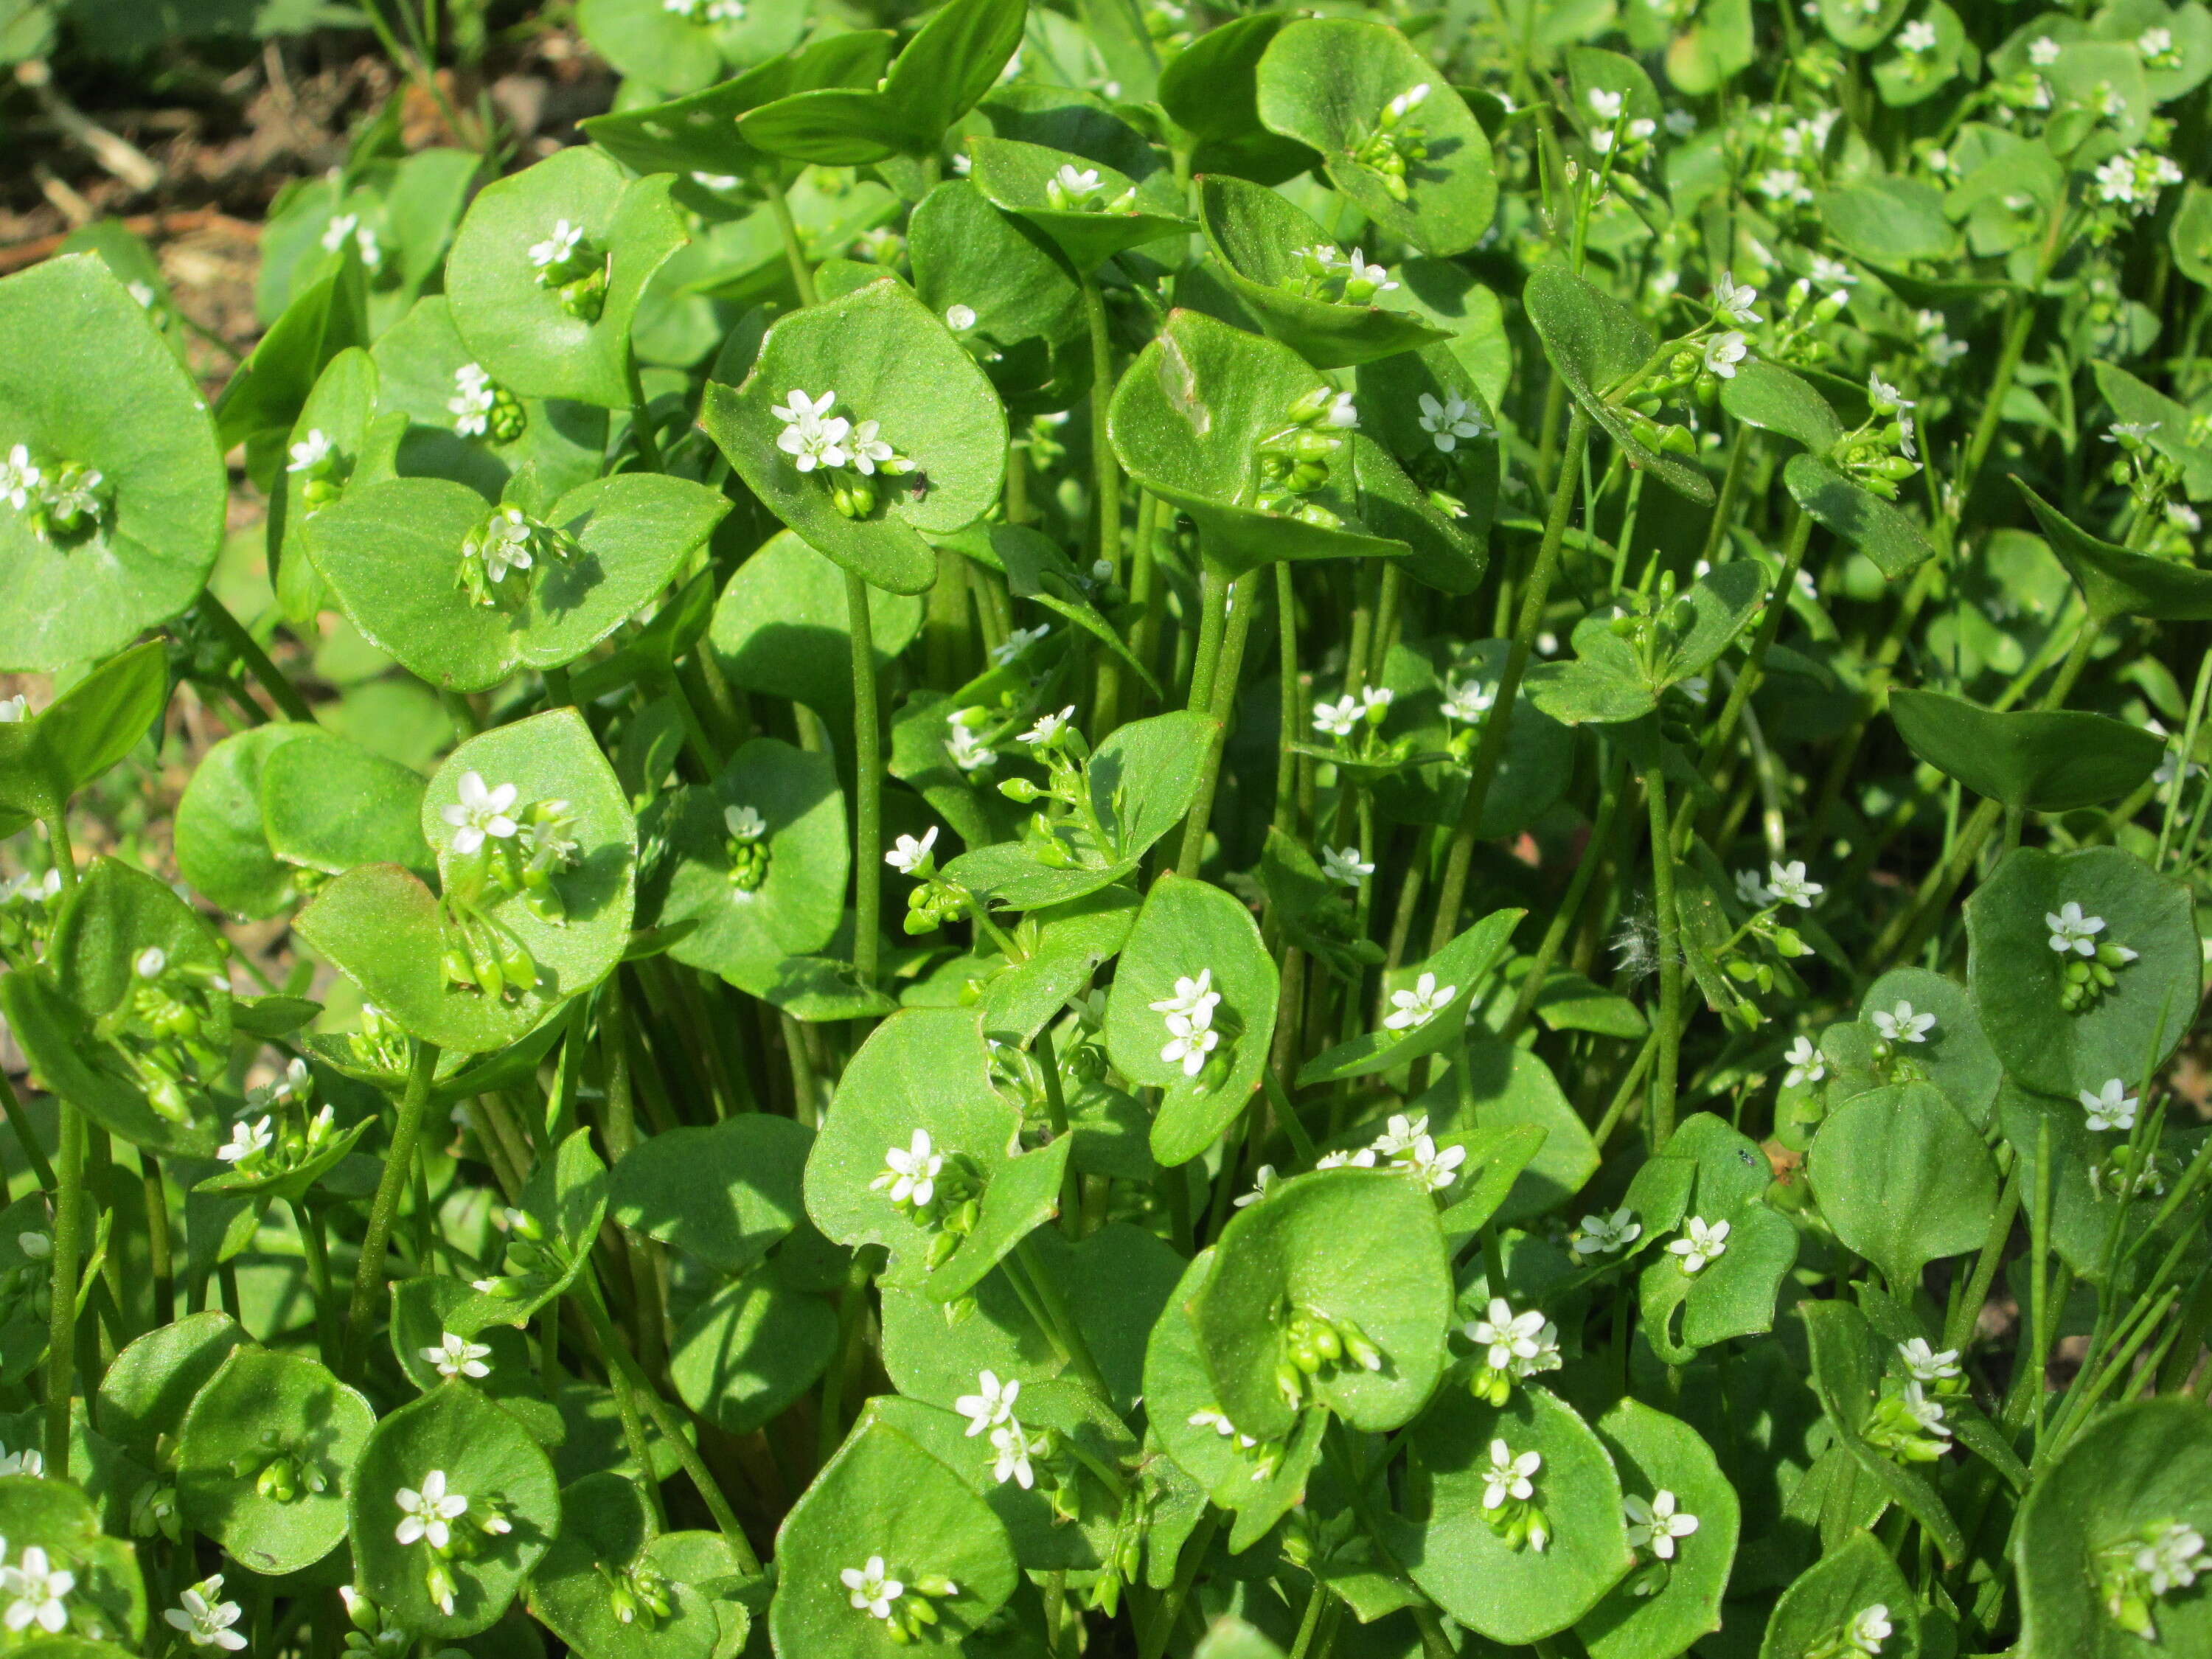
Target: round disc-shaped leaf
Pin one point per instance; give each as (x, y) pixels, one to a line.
(780, 627)
(85, 378)
(2042, 760)
(1017, 177)
(2017, 977)
(750, 1349)
(1816, 1610)
(605, 1530)
(328, 803)
(488, 1459)
(880, 356)
(147, 1391)
(1904, 1179)
(726, 1194)
(424, 1310)
(108, 1601)
(660, 46)
(1361, 1245)
(1027, 300)
(1954, 1053)
(746, 934)
(1510, 1595)
(517, 327)
(1653, 1453)
(2144, 1466)
(1327, 82)
(882, 1495)
(1188, 928)
(259, 1410)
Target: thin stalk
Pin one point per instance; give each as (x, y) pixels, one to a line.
(1562, 920)
(794, 254)
(399, 1168)
(641, 415)
(34, 1154)
(1230, 625)
(61, 1329)
(1286, 649)
(1748, 677)
(1669, 1024)
(159, 1262)
(1105, 485)
(281, 691)
(1063, 1328)
(1490, 752)
(1968, 1309)
(867, 782)
(1169, 1612)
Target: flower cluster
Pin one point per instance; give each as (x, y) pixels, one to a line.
(706, 11)
(1408, 1146)
(851, 455)
(1508, 1498)
(427, 1516)
(745, 846)
(1295, 460)
(286, 1136)
(204, 1620)
(1081, 190)
(571, 265)
(1313, 1346)
(638, 1593)
(1511, 1347)
(482, 408)
(535, 1260)
(316, 462)
(1031, 1461)
(2089, 963)
(345, 227)
(2134, 1574)
(1325, 271)
(495, 553)
(939, 1191)
(905, 1608)
(1396, 141)
(60, 502)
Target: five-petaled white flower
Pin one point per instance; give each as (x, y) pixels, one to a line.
(1359, 270)
(205, 1618)
(2110, 1106)
(1467, 700)
(247, 1141)
(1870, 1628)
(1702, 1242)
(311, 452)
(870, 1589)
(1903, 1024)
(428, 1515)
(1723, 351)
(1194, 999)
(1263, 1178)
(1189, 1041)
(1343, 865)
(814, 444)
(1734, 300)
(1338, 719)
(1011, 1462)
(907, 856)
(912, 1172)
(1927, 1365)
(1415, 1007)
(968, 752)
(1655, 1525)
(560, 246)
(1806, 1063)
(1435, 1169)
(2071, 931)
(39, 1591)
(479, 812)
(1018, 644)
(456, 1356)
(1916, 37)
(1452, 421)
(991, 1405)
(2174, 1560)
(1508, 1475)
(2042, 51)
(743, 823)
(19, 479)
(1602, 1235)
(1751, 889)
(1048, 727)
(1788, 883)
(1520, 1343)
(472, 402)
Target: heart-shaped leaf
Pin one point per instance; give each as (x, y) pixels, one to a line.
(2043, 761)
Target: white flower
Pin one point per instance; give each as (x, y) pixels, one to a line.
(1263, 1178)
(472, 401)
(1211, 1419)
(246, 1141)
(2174, 1560)
(1452, 421)
(560, 246)
(1789, 884)
(1751, 890)
(1343, 865)
(1373, 700)
(1902, 1024)
(1806, 1063)
(205, 1621)
(1508, 1475)
(336, 232)
(19, 479)
(2042, 51)
(1409, 100)
(1415, 1008)
(1723, 351)
(1359, 270)
(870, 1590)
(1077, 182)
(1011, 1462)
(1362, 1159)
(28, 1462)
(142, 292)
(1194, 999)
(1434, 1170)
(1702, 1242)
(427, 1514)
(1928, 1364)
(456, 1356)
(906, 856)
(150, 962)
(991, 1405)
(1400, 1133)
(2072, 931)
(1926, 1413)
(1870, 1628)
(817, 443)
(2155, 44)
(1606, 105)
(1338, 719)
(799, 409)
(1780, 184)
(1048, 727)
(1520, 1343)
(1467, 700)
(1189, 1041)
(969, 753)
(2110, 1106)
(311, 452)
(40, 1591)
(1018, 644)
(911, 1172)
(867, 449)
(1602, 1235)
(14, 710)
(1342, 414)
(1916, 37)
(960, 318)
(479, 812)
(1734, 299)
(743, 823)
(1655, 1525)
(1831, 273)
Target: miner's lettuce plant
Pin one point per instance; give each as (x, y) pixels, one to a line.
(1120, 829)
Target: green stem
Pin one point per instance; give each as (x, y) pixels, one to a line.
(398, 1168)
(284, 693)
(34, 1154)
(1165, 1616)
(1229, 623)
(868, 784)
(61, 1330)
(1106, 486)
(1490, 752)
(1747, 678)
(640, 414)
(319, 1273)
(1611, 789)
(794, 255)
(1670, 1024)
(1066, 1332)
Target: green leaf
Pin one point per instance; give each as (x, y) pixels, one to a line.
(2189, 235)
(1878, 530)
(750, 1349)
(47, 758)
(652, 45)
(87, 380)
(1733, 1295)
(1457, 970)
(1017, 177)
(882, 1494)
(1847, 1374)
(1654, 1453)
(146, 1393)
(1766, 395)
(1497, 1088)
(1954, 1055)
(1361, 1245)
(779, 628)
(1890, 220)
(263, 398)
(607, 1531)
(424, 1310)
(1904, 1179)
(2018, 979)
(1326, 82)
(261, 1410)
(1185, 929)
(518, 329)
(1028, 331)
(487, 1458)
(726, 1194)
(109, 1597)
(885, 359)
(2116, 582)
(2143, 1466)
(1846, 1582)
(1514, 1596)
(2043, 761)
(221, 848)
